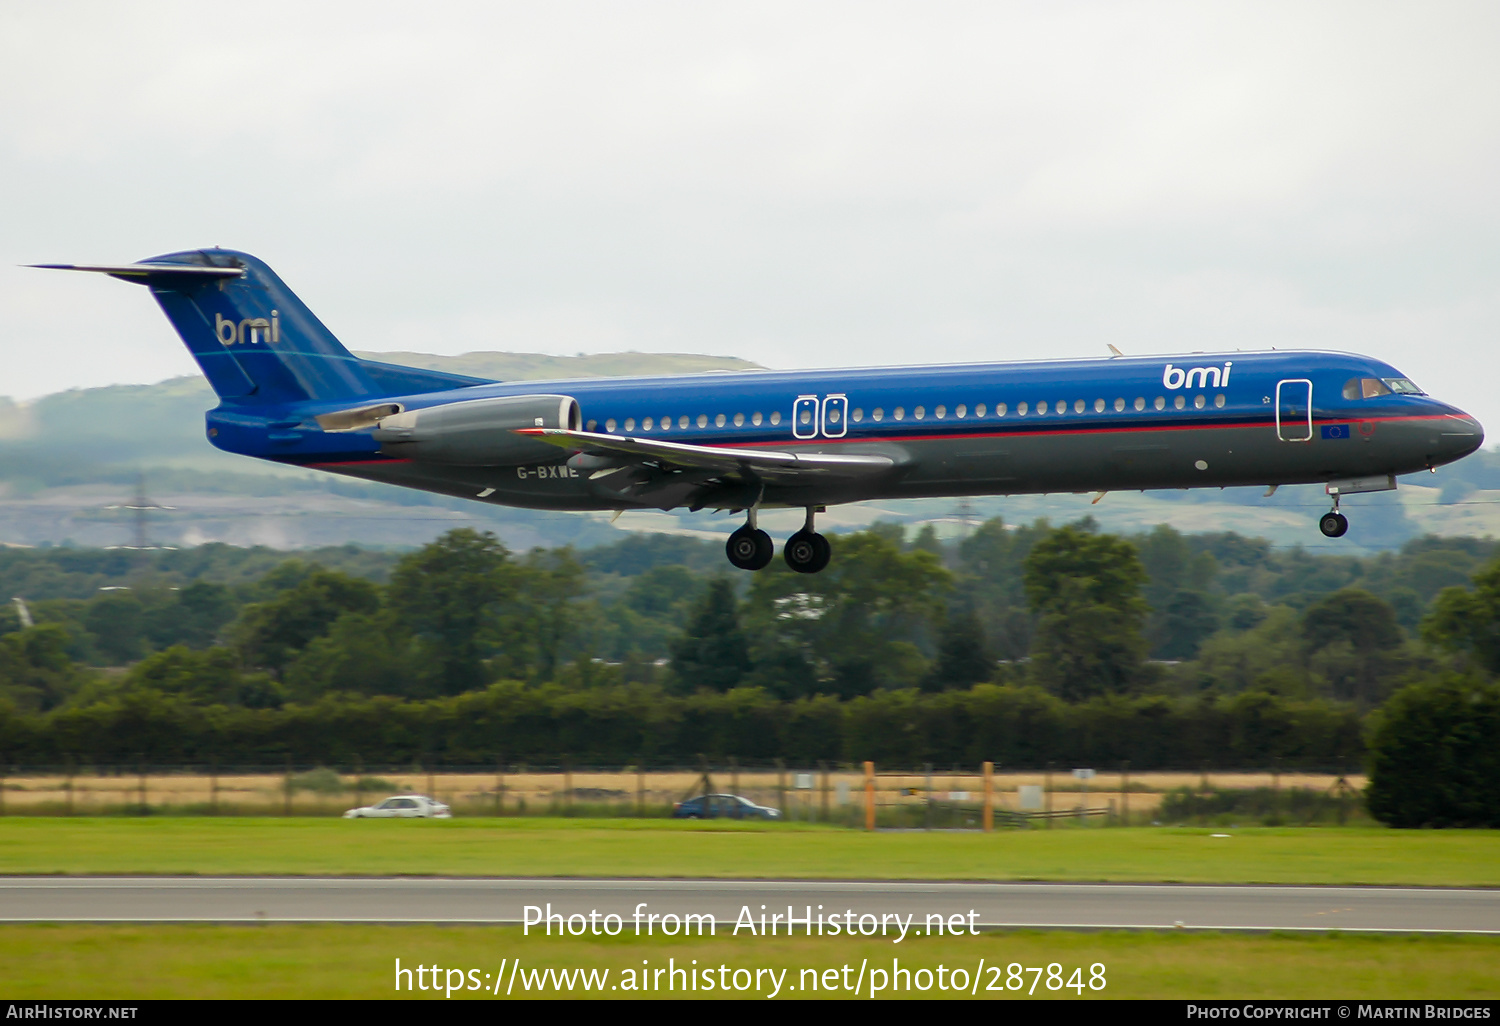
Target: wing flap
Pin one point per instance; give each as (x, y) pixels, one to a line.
(707, 457)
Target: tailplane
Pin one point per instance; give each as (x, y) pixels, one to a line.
(255, 340)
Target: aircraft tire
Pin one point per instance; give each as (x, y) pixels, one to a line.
(1334, 525)
(806, 552)
(749, 549)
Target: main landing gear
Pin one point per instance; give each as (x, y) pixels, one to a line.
(806, 552)
(1333, 523)
(750, 548)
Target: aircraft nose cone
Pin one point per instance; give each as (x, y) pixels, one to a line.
(1461, 435)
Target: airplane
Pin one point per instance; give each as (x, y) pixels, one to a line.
(289, 392)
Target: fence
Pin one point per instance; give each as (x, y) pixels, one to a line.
(926, 798)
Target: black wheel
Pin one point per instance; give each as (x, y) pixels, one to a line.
(806, 552)
(825, 552)
(1334, 525)
(749, 549)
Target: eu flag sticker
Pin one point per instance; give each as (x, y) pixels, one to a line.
(1335, 430)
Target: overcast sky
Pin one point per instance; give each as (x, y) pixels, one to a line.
(801, 184)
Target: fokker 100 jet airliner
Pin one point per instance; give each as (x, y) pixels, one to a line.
(290, 392)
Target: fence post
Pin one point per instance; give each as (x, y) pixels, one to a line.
(989, 797)
(1048, 795)
(141, 770)
(781, 789)
(213, 785)
(823, 768)
(499, 785)
(869, 796)
(927, 801)
(286, 802)
(1125, 793)
(640, 789)
(68, 786)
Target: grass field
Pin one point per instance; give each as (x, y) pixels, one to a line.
(658, 848)
(332, 961)
(607, 793)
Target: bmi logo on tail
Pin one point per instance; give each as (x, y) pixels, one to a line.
(248, 331)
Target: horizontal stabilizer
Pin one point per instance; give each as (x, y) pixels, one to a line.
(708, 457)
(144, 272)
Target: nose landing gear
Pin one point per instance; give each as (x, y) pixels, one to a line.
(807, 551)
(1334, 524)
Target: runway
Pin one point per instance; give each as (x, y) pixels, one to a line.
(980, 905)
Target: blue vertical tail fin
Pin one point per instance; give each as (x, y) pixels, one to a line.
(254, 339)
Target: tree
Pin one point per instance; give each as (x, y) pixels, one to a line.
(963, 658)
(271, 633)
(862, 623)
(713, 652)
(36, 673)
(1468, 622)
(1435, 755)
(114, 622)
(447, 595)
(1086, 592)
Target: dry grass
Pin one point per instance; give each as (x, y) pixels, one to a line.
(604, 792)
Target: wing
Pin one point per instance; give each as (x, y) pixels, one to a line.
(607, 453)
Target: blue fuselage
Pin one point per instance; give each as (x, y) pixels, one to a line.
(1278, 417)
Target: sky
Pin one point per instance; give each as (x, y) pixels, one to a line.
(807, 184)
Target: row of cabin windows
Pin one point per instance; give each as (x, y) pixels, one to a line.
(940, 412)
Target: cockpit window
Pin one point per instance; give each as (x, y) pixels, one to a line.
(1402, 386)
(1366, 388)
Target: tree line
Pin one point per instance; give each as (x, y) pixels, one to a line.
(1019, 644)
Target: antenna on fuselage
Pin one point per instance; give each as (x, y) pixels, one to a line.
(1113, 352)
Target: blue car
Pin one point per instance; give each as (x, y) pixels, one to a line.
(722, 806)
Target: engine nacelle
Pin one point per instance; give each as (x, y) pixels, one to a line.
(479, 432)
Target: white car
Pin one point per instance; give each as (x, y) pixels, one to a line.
(403, 806)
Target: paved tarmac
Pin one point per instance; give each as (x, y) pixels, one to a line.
(1043, 905)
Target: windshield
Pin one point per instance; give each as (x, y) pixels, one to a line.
(1371, 388)
(1402, 386)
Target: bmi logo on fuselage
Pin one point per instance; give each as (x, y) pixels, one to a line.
(248, 331)
(1196, 377)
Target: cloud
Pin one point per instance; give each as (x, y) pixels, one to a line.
(840, 183)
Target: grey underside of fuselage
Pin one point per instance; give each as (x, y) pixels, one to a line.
(1014, 464)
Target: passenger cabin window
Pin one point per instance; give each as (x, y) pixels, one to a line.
(978, 410)
(646, 424)
(755, 418)
(629, 423)
(775, 417)
(1000, 410)
(878, 414)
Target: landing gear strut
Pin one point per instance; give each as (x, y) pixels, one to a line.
(1333, 523)
(750, 548)
(807, 551)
